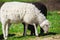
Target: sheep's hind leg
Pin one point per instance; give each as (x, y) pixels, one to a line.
(5, 30)
(35, 30)
(25, 29)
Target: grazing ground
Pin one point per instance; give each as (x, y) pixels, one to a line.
(19, 0)
(16, 30)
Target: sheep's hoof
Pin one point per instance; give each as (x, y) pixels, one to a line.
(5, 38)
(24, 34)
(37, 35)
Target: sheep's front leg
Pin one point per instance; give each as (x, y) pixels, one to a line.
(5, 30)
(35, 30)
(25, 30)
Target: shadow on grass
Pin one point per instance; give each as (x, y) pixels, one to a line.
(1, 37)
(9, 35)
(23, 36)
(50, 33)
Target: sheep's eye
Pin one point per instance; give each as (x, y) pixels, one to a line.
(46, 25)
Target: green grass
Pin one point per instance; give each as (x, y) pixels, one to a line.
(15, 29)
(20, 0)
(54, 18)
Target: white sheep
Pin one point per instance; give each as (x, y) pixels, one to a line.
(19, 12)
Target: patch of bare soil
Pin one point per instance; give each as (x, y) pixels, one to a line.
(58, 12)
(55, 37)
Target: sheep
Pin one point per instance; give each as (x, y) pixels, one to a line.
(16, 12)
(43, 10)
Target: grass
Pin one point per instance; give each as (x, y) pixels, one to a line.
(20, 0)
(54, 18)
(16, 32)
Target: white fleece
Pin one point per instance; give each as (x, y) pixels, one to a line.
(16, 12)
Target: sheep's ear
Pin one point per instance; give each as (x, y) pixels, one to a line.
(46, 22)
(42, 24)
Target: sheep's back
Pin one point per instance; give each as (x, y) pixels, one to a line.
(15, 11)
